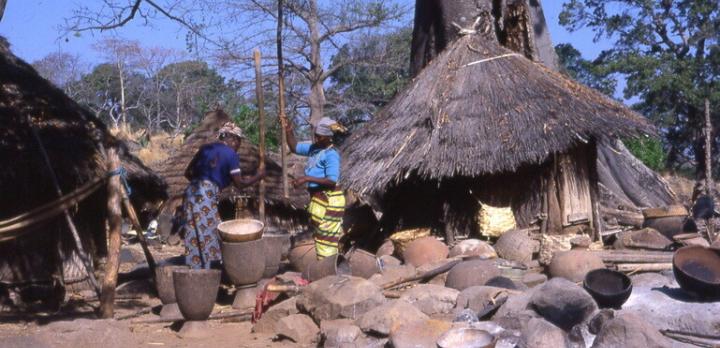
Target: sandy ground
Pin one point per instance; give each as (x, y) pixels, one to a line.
(77, 326)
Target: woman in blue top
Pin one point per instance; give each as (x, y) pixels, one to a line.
(322, 172)
(214, 167)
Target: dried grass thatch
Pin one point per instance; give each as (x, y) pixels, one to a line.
(479, 109)
(206, 132)
(72, 137)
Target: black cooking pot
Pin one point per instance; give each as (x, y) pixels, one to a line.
(697, 270)
(610, 289)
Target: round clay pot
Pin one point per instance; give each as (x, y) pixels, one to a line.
(516, 246)
(668, 220)
(362, 263)
(273, 252)
(387, 248)
(471, 273)
(425, 250)
(697, 270)
(196, 291)
(244, 262)
(329, 266)
(302, 255)
(573, 265)
(609, 288)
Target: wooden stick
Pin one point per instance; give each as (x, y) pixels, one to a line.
(136, 314)
(643, 267)
(114, 217)
(68, 219)
(429, 274)
(136, 225)
(631, 256)
(215, 316)
(281, 102)
(261, 125)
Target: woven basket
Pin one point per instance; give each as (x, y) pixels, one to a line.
(494, 221)
(401, 239)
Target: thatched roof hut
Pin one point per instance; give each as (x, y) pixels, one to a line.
(73, 138)
(285, 212)
(479, 110)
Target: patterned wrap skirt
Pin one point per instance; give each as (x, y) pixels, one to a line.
(326, 210)
(200, 221)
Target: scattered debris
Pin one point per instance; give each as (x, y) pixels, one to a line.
(299, 328)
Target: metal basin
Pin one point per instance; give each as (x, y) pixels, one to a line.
(362, 263)
(331, 265)
(244, 262)
(697, 270)
(196, 291)
(241, 230)
(609, 288)
(273, 252)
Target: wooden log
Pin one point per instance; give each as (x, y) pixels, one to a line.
(281, 101)
(261, 125)
(634, 256)
(624, 217)
(216, 316)
(643, 267)
(136, 225)
(114, 217)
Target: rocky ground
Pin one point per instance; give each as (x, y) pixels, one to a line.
(486, 296)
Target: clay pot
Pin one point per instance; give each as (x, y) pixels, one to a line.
(166, 289)
(362, 263)
(302, 255)
(331, 265)
(196, 291)
(273, 252)
(473, 247)
(387, 248)
(516, 246)
(574, 265)
(425, 250)
(697, 270)
(667, 220)
(471, 273)
(244, 262)
(609, 288)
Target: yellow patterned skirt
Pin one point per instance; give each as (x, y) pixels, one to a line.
(326, 216)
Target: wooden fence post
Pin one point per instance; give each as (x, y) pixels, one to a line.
(114, 217)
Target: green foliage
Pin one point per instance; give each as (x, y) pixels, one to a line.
(668, 52)
(591, 74)
(648, 150)
(246, 117)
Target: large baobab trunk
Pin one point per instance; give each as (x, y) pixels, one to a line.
(317, 91)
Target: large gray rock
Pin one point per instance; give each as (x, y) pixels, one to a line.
(668, 309)
(562, 303)
(540, 333)
(630, 330)
(339, 297)
(419, 334)
(300, 328)
(431, 299)
(392, 274)
(339, 332)
(383, 319)
(268, 322)
(476, 298)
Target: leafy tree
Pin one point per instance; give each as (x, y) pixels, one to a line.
(587, 72)
(667, 52)
(358, 91)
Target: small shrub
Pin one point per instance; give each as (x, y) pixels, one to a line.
(649, 150)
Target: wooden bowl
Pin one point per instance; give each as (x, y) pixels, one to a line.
(697, 270)
(241, 230)
(609, 288)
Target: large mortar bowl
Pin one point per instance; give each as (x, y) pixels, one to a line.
(609, 288)
(275, 240)
(241, 230)
(196, 291)
(244, 262)
(697, 270)
(166, 289)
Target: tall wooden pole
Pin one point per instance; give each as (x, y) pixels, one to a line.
(114, 217)
(261, 125)
(708, 150)
(281, 102)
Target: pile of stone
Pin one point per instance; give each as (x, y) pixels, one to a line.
(490, 296)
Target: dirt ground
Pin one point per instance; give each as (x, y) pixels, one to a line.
(76, 325)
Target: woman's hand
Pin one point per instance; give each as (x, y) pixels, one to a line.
(300, 181)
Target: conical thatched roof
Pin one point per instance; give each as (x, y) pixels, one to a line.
(206, 132)
(479, 109)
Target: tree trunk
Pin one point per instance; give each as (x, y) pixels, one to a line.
(317, 91)
(708, 149)
(123, 111)
(2, 8)
(114, 216)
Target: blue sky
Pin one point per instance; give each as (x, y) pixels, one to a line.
(32, 27)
